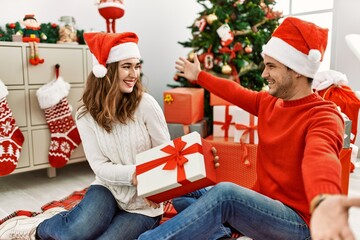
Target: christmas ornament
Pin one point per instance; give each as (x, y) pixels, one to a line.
(209, 61)
(226, 69)
(211, 18)
(200, 24)
(237, 47)
(191, 56)
(225, 34)
(32, 34)
(111, 10)
(65, 137)
(11, 138)
(248, 49)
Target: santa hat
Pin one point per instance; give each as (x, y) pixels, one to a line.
(111, 47)
(299, 45)
(325, 79)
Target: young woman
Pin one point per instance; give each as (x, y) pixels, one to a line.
(117, 120)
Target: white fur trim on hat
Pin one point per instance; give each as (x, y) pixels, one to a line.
(291, 57)
(117, 53)
(325, 79)
(3, 90)
(51, 93)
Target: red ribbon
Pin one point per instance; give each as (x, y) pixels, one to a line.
(247, 130)
(225, 125)
(237, 47)
(176, 159)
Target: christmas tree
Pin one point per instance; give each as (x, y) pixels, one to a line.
(228, 37)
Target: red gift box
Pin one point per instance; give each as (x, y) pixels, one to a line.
(184, 105)
(237, 161)
(173, 169)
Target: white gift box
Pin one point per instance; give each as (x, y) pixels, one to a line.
(245, 127)
(223, 121)
(188, 163)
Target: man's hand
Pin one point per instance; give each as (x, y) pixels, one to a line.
(187, 69)
(330, 220)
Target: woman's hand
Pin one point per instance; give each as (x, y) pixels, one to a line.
(134, 179)
(216, 157)
(151, 203)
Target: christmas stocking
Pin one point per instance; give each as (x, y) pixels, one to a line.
(64, 134)
(11, 138)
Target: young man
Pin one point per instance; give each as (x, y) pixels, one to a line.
(300, 138)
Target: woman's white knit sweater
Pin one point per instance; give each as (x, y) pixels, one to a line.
(112, 155)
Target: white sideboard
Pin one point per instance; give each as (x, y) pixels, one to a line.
(23, 80)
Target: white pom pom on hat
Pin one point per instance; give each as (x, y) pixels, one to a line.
(111, 47)
(298, 44)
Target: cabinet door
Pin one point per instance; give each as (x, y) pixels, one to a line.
(17, 103)
(24, 160)
(71, 63)
(11, 65)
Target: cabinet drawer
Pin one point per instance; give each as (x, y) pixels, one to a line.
(71, 63)
(37, 115)
(17, 103)
(11, 65)
(24, 160)
(41, 142)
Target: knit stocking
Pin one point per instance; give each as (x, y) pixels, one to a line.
(11, 138)
(64, 134)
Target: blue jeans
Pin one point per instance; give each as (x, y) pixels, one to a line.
(252, 214)
(180, 203)
(97, 216)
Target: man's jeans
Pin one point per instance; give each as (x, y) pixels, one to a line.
(180, 203)
(252, 214)
(97, 216)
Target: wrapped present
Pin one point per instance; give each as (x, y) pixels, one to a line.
(245, 127)
(216, 101)
(177, 130)
(237, 161)
(184, 105)
(223, 121)
(173, 169)
(345, 160)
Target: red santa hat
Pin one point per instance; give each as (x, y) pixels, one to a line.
(111, 47)
(299, 45)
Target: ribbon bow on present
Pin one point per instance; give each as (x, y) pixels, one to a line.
(168, 99)
(225, 125)
(176, 159)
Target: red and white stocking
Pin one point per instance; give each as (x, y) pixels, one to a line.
(11, 138)
(64, 134)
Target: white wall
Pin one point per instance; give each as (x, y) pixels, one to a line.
(159, 24)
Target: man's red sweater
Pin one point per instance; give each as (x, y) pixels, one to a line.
(299, 143)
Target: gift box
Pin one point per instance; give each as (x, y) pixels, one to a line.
(245, 127)
(177, 130)
(345, 159)
(216, 101)
(237, 161)
(347, 134)
(173, 169)
(223, 121)
(184, 105)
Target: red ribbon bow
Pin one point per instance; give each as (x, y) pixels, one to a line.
(237, 47)
(225, 125)
(176, 159)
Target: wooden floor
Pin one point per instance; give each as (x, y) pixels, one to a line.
(31, 190)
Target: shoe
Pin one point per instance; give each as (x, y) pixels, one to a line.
(23, 227)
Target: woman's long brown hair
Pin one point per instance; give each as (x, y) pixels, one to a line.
(105, 102)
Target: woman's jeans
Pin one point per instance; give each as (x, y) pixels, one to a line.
(97, 216)
(252, 214)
